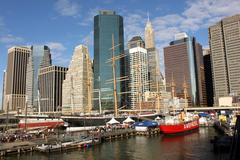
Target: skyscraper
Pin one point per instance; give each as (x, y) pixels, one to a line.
(184, 62)
(138, 71)
(208, 76)
(149, 35)
(224, 42)
(4, 88)
(40, 57)
(77, 87)
(50, 88)
(155, 77)
(106, 25)
(16, 78)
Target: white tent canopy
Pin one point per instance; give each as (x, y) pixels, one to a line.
(157, 118)
(113, 121)
(128, 120)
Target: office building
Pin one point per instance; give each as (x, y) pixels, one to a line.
(4, 88)
(16, 78)
(108, 25)
(50, 88)
(138, 71)
(78, 85)
(208, 76)
(224, 42)
(184, 62)
(155, 76)
(40, 57)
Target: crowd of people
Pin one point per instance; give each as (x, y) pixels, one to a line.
(12, 137)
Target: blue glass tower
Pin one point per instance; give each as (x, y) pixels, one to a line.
(40, 57)
(106, 24)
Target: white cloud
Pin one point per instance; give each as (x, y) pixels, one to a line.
(133, 26)
(67, 7)
(58, 53)
(9, 39)
(88, 18)
(197, 15)
(56, 46)
(202, 13)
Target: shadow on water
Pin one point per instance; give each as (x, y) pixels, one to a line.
(189, 146)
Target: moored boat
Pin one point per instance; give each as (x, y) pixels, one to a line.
(175, 125)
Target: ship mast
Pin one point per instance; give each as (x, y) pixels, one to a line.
(26, 106)
(158, 97)
(173, 85)
(114, 78)
(39, 107)
(89, 85)
(185, 93)
(72, 103)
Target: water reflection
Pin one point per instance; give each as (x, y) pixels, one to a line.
(184, 147)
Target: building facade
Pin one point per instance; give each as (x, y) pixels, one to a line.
(224, 42)
(40, 57)
(208, 76)
(15, 78)
(78, 85)
(4, 89)
(50, 88)
(155, 76)
(184, 62)
(149, 35)
(108, 25)
(138, 71)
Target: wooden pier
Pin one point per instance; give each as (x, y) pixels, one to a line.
(149, 132)
(117, 134)
(16, 148)
(54, 144)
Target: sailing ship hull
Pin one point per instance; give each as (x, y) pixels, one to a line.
(80, 121)
(179, 128)
(40, 123)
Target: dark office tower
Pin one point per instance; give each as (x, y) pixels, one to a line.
(106, 24)
(50, 88)
(208, 76)
(4, 88)
(16, 78)
(183, 60)
(155, 77)
(224, 42)
(40, 57)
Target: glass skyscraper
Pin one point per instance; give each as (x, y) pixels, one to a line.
(106, 24)
(40, 57)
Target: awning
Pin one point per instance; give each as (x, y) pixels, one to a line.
(128, 120)
(113, 121)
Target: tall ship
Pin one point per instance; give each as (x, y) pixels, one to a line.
(99, 120)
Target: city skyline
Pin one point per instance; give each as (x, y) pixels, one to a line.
(63, 24)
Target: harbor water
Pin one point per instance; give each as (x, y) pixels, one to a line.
(194, 145)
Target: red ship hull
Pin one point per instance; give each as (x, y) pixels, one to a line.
(44, 124)
(179, 128)
(39, 123)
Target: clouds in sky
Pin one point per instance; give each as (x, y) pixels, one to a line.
(58, 51)
(67, 7)
(10, 39)
(197, 15)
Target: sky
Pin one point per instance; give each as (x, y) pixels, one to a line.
(64, 24)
